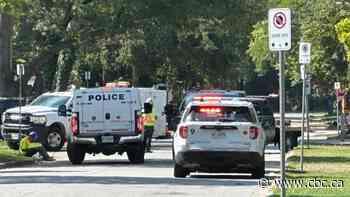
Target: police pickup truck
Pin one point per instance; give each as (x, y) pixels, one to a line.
(105, 120)
(40, 116)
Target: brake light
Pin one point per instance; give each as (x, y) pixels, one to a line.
(139, 124)
(210, 110)
(253, 132)
(183, 132)
(74, 124)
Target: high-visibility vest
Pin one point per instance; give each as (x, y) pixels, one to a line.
(148, 119)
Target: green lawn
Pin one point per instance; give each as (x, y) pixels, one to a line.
(7, 154)
(325, 163)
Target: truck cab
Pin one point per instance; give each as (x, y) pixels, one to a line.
(40, 116)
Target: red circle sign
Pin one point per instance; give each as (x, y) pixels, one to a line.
(279, 20)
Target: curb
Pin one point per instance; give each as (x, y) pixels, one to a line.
(12, 164)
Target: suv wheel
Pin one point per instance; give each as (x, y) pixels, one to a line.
(54, 139)
(259, 171)
(180, 172)
(136, 154)
(76, 153)
(13, 145)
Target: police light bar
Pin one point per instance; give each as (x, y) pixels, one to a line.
(207, 98)
(210, 110)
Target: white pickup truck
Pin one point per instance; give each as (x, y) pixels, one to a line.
(105, 120)
(40, 116)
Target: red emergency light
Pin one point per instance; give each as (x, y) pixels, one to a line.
(210, 110)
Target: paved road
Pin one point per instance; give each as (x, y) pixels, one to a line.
(114, 176)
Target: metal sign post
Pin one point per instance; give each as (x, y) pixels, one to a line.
(302, 69)
(280, 40)
(338, 92)
(20, 73)
(304, 58)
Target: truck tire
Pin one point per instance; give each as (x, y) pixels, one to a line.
(54, 139)
(136, 154)
(259, 171)
(76, 153)
(180, 172)
(13, 145)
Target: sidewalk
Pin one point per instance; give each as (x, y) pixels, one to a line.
(326, 137)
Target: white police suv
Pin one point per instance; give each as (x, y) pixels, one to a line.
(218, 135)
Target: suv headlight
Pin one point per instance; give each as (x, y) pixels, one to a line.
(38, 119)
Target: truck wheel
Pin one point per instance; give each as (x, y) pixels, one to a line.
(13, 145)
(54, 139)
(180, 172)
(136, 154)
(76, 153)
(259, 171)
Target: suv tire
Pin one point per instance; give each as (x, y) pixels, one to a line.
(76, 153)
(259, 171)
(180, 172)
(136, 154)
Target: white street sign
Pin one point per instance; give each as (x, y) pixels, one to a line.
(87, 75)
(280, 38)
(337, 85)
(302, 71)
(20, 69)
(304, 53)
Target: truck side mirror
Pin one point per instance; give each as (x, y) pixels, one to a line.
(62, 110)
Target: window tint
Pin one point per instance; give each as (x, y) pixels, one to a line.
(219, 114)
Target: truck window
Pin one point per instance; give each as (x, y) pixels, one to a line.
(220, 114)
(50, 101)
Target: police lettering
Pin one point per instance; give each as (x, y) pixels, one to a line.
(107, 97)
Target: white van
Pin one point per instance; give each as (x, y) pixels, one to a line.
(105, 120)
(159, 99)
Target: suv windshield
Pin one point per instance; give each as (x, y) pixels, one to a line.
(50, 101)
(219, 114)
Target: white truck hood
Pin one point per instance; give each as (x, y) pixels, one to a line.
(32, 109)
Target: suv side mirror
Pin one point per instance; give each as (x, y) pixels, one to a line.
(62, 110)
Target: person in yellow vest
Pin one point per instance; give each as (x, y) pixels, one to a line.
(149, 120)
(28, 147)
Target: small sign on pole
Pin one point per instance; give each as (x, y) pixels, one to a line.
(302, 71)
(337, 85)
(87, 75)
(304, 53)
(20, 69)
(280, 37)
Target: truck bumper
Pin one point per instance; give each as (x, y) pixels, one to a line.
(219, 161)
(117, 140)
(14, 132)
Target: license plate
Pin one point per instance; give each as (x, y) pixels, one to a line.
(15, 136)
(218, 134)
(107, 139)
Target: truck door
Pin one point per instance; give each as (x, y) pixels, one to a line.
(90, 104)
(118, 112)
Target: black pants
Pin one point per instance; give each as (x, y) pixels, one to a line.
(148, 137)
(41, 150)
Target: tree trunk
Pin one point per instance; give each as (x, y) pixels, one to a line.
(7, 85)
